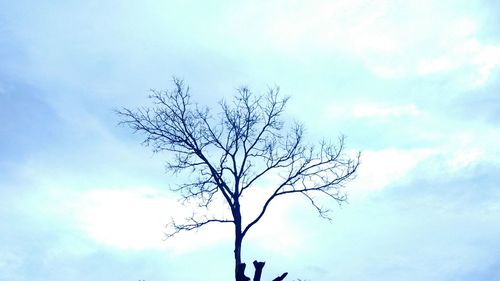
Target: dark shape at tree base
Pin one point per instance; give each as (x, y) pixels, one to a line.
(259, 266)
(258, 270)
(279, 278)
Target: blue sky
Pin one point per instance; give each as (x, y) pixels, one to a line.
(414, 85)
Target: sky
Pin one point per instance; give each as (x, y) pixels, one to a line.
(413, 85)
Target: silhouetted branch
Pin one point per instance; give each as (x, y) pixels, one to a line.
(191, 224)
(280, 278)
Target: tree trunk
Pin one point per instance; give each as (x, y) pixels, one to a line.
(241, 273)
(237, 258)
(239, 267)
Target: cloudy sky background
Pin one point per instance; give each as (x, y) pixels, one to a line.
(413, 84)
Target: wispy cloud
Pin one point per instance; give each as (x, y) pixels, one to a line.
(384, 168)
(375, 110)
(137, 218)
(391, 39)
(370, 110)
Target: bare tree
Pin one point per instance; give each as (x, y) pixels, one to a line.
(231, 150)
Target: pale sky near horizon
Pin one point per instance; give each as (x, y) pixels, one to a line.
(412, 84)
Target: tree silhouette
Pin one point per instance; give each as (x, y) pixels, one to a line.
(228, 152)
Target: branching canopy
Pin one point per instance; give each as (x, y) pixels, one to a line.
(228, 151)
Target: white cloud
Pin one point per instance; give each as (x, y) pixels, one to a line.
(377, 110)
(293, 26)
(486, 58)
(465, 158)
(124, 219)
(471, 147)
(381, 168)
(452, 46)
(392, 39)
(475, 59)
(455, 152)
(426, 67)
(386, 71)
(136, 219)
(371, 110)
